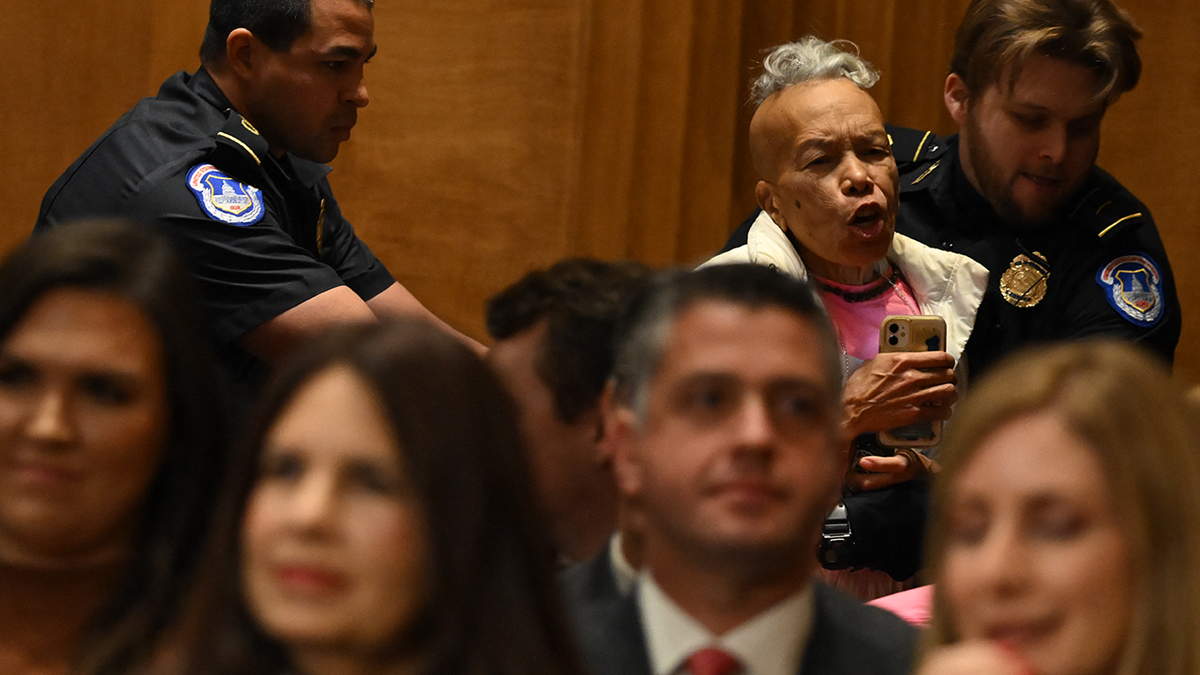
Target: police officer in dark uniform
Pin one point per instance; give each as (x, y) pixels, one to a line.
(230, 162)
(1071, 253)
(1100, 270)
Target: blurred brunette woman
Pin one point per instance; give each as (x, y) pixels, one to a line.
(381, 522)
(110, 448)
(1066, 526)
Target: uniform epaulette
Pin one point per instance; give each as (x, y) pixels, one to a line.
(914, 146)
(241, 136)
(1107, 213)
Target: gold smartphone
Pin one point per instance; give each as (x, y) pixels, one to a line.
(926, 333)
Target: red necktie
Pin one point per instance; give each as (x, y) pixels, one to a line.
(710, 661)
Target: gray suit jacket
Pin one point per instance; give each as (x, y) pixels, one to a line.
(848, 637)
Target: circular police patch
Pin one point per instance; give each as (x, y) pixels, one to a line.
(1133, 286)
(224, 198)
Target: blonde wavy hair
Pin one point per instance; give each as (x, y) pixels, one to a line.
(1124, 404)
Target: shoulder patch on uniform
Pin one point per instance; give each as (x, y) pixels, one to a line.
(1133, 286)
(224, 198)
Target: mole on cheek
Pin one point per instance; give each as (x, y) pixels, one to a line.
(798, 204)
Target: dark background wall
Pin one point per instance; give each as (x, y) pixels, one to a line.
(505, 134)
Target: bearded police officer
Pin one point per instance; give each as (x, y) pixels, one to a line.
(1071, 253)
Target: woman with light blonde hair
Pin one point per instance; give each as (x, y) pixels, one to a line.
(1065, 531)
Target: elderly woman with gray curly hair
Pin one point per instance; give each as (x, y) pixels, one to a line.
(828, 190)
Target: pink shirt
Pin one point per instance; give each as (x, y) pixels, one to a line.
(914, 605)
(857, 323)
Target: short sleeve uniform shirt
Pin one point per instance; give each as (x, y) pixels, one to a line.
(262, 234)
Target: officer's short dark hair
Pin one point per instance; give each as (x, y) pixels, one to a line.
(996, 34)
(641, 351)
(583, 303)
(276, 22)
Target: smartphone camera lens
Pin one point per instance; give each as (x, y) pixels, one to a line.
(892, 340)
(893, 328)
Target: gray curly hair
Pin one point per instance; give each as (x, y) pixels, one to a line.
(809, 59)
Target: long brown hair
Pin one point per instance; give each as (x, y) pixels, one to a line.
(495, 607)
(140, 267)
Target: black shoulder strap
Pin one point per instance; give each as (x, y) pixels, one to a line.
(1108, 209)
(240, 144)
(913, 146)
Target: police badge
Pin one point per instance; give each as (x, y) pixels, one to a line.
(224, 198)
(1023, 284)
(1133, 286)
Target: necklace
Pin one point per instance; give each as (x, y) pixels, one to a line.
(888, 282)
(899, 293)
(845, 355)
(876, 289)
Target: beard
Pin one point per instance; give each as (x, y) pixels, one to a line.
(998, 188)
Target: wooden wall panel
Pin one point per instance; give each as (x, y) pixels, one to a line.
(82, 64)
(608, 115)
(659, 128)
(458, 173)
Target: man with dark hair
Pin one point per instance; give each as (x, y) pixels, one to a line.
(724, 417)
(1072, 254)
(277, 23)
(229, 161)
(555, 333)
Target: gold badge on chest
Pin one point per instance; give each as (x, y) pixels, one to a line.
(1023, 284)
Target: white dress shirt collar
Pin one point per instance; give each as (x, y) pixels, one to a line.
(624, 574)
(771, 643)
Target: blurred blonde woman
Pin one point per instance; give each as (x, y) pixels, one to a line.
(1065, 532)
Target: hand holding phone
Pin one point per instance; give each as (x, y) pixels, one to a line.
(925, 333)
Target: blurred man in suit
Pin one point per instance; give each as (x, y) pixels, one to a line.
(724, 419)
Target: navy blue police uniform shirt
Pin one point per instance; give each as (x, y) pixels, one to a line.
(1100, 271)
(262, 234)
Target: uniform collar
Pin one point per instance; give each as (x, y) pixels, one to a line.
(307, 174)
(206, 88)
(945, 182)
(933, 171)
